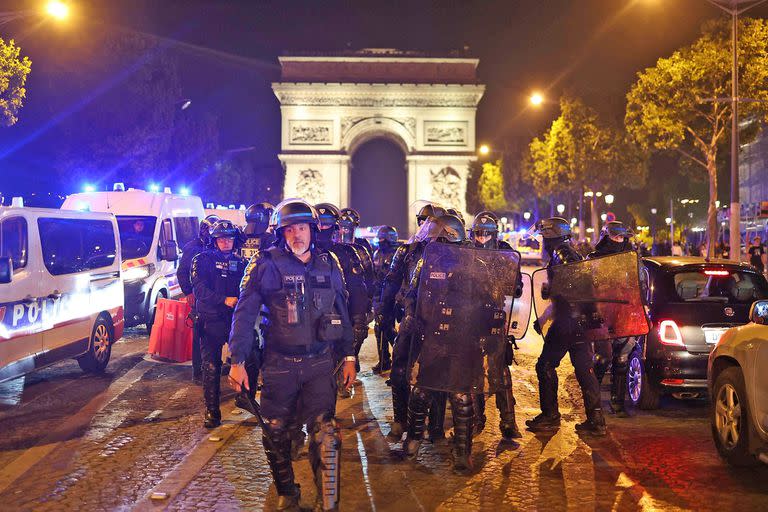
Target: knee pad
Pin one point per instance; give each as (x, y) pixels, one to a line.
(462, 403)
(325, 457)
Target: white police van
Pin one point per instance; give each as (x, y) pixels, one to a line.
(154, 227)
(60, 289)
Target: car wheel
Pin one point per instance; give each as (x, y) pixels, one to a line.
(643, 393)
(730, 418)
(152, 311)
(99, 348)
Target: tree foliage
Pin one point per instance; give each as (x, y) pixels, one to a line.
(13, 76)
(671, 105)
(490, 186)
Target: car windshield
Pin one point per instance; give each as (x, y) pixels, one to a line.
(727, 286)
(135, 235)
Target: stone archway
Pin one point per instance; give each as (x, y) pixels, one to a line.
(332, 105)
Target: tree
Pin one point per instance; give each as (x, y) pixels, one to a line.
(673, 106)
(13, 75)
(490, 187)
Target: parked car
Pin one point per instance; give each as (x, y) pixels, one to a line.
(691, 303)
(738, 384)
(61, 295)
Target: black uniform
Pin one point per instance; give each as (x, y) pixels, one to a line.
(385, 333)
(255, 242)
(215, 276)
(308, 323)
(614, 353)
(564, 336)
(183, 274)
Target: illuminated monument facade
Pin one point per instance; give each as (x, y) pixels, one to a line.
(333, 104)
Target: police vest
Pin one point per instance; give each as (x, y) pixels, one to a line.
(251, 247)
(305, 299)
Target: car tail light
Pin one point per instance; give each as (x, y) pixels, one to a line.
(673, 382)
(717, 273)
(669, 333)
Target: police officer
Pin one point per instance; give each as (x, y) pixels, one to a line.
(352, 222)
(484, 232)
(256, 231)
(189, 251)
(395, 285)
(350, 258)
(447, 229)
(615, 238)
(216, 275)
(303, 293)
(382, 260)
(564, 337)
(427, 211)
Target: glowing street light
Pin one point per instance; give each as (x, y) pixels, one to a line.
(609, 198)
(603, 216)
(560, 208)
(668, 220)
(536, 99)
(57, 9)
(527, 215)
(484, 149)
(654, 211)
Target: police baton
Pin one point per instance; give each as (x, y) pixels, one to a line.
(250, 404)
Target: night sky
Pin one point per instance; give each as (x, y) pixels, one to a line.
(228, 52)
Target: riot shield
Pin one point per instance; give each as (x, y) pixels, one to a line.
(600, 297)
(521, 310)
(542, 304)
(461, 320)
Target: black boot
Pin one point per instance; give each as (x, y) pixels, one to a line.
(618, 394)
(418, 404)
(437, 416)
(277, 445)
(544, 423)
(400, 409)
(325, 458)
(211, 385)
(463, 422)
(595, 424)
(505, 403)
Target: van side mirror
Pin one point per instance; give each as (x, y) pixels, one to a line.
(759, 312)
(169, 251)
(6, 270)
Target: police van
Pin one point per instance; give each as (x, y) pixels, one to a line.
(154, 226)
(61, 295)
(234, 215)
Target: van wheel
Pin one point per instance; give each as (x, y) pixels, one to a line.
(730, 418)
(643, 393)
(152, 311)
(99, 348)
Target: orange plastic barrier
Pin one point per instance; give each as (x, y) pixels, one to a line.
(171, 336)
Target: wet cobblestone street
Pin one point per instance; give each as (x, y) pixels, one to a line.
(77, 442)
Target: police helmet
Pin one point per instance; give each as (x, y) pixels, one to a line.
(457, 214)
(553, 227)
(257, 217)
(485, 225)
(224, 229)
(616, 228)
(328, 214)
(205, 226)
(295, 211)
(449, 229)
(489, 214)
(352, 214)
(429, 210)
(387, 233)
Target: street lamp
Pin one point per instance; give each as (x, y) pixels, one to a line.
(603, 216)
(484, 149)
(609, 199)
(536, 99)
(668, 220)
(560, 208)
(527, 215)
(734, 8)
(57, 9)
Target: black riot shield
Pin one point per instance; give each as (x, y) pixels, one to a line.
(461, 318)
(521, 310)
(600, 297)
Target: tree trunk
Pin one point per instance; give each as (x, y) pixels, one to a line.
(711, 208)
(595, 219)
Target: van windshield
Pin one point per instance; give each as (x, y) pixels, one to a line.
(136, 233)
(728, 286)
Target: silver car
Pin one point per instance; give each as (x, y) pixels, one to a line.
(738, 384)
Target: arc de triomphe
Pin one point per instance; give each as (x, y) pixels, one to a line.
(332, 104)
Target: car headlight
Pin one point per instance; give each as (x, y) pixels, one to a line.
(136, 273)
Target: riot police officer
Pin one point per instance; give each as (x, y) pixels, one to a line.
(564, 336)
(484, 232)
(256, 231)
(427, 211)
(351, 259)
(216, 275)
(446, 229)
(189, 251)
(302, 290)
(382, 259)
(395, 285)
(348, 225)
(615, 238)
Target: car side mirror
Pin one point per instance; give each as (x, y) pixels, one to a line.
(759, 312)
(169, 250)
(6, 270)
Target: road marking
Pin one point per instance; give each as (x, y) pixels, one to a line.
(67, 430)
